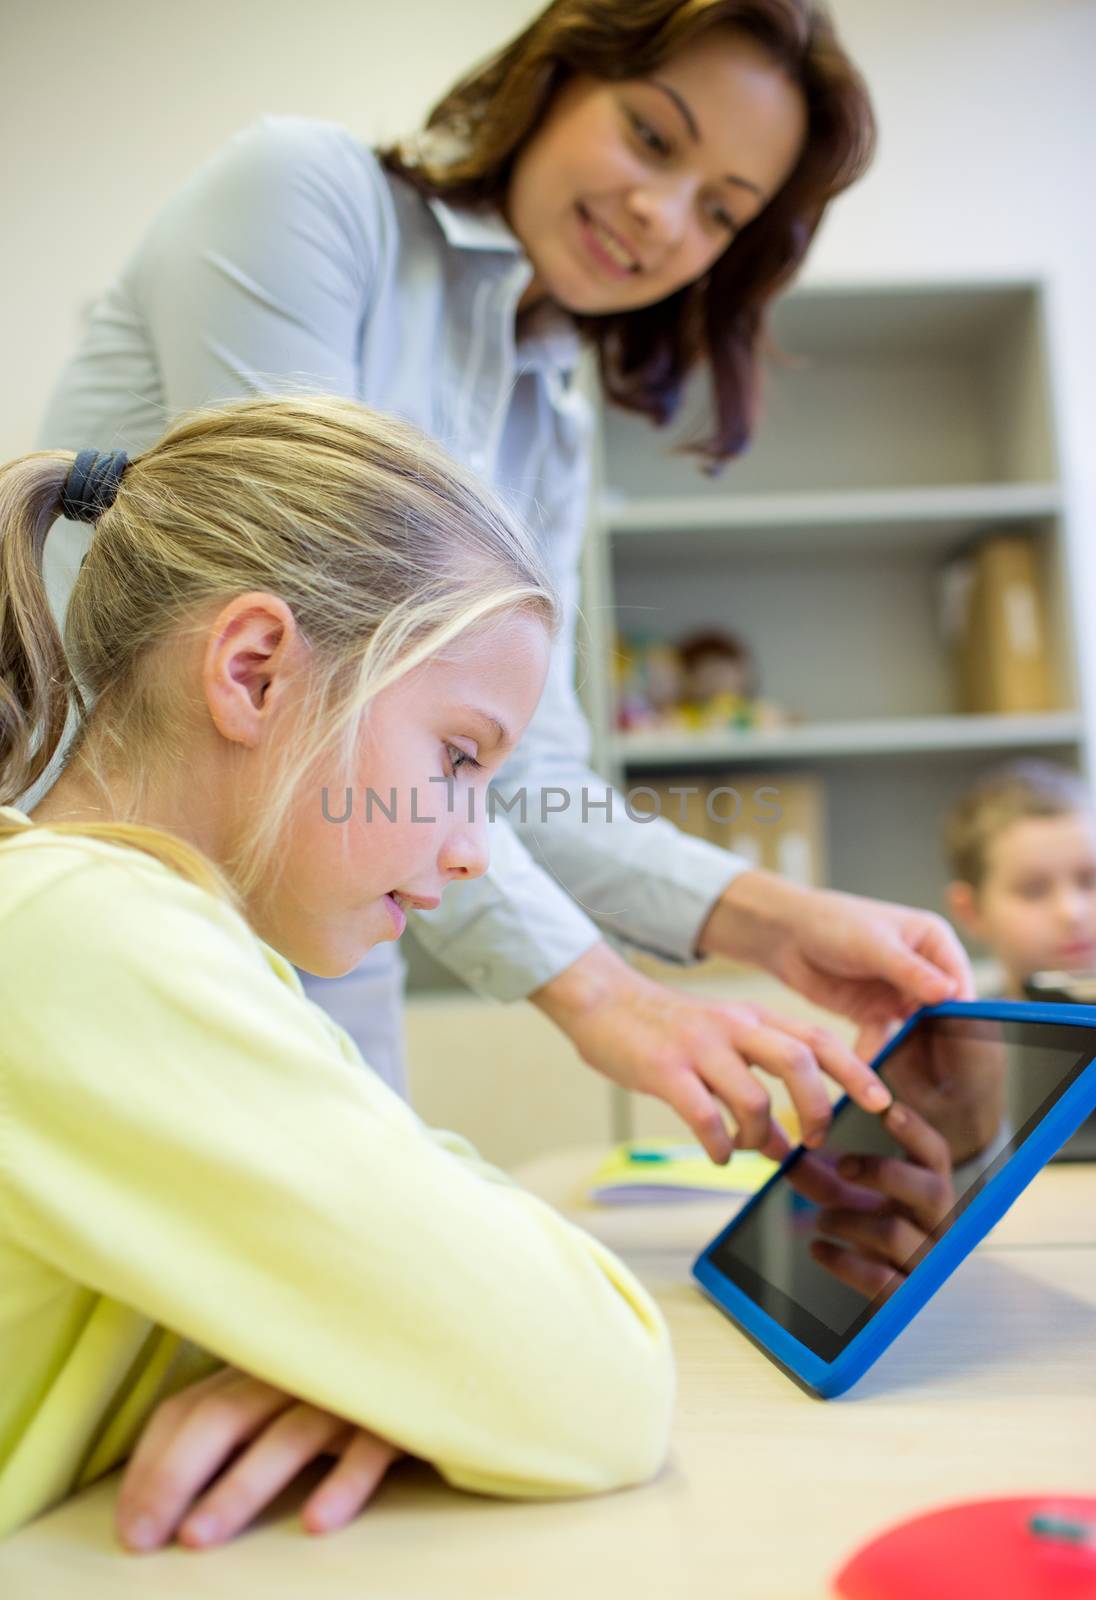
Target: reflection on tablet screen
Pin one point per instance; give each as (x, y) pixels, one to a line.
(817, 1251)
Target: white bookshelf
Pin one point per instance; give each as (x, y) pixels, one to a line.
(900, 422)
(870, 737)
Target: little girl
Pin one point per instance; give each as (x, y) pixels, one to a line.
(307, 640)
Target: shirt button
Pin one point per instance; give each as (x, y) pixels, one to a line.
(480, 973)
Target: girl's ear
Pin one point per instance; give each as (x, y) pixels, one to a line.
(253, 654)
(962, 901)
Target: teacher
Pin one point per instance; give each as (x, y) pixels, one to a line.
(641, 179)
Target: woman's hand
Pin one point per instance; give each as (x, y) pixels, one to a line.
(699, 1057)
(865, 959)
(878, 1210)
(215, 1454)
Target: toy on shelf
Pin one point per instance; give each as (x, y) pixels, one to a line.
(707, 680)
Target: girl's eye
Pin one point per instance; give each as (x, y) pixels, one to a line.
(460, 758)
(647, 135)
(725, 220)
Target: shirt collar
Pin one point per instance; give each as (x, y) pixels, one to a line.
(551, 339)
(474, 230)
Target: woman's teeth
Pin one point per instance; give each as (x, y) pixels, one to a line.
(612, 245)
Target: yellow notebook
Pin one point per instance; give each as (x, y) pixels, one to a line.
(646, 1170)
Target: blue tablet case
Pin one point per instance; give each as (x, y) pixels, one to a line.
(828, 1378)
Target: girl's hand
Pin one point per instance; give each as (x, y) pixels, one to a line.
(700, 1056)
(879, 1210)
(215, 1454)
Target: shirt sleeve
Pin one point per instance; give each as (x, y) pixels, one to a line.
(256, 276)
(182, 1131)
(639, 879)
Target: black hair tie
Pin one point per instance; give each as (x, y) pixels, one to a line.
(92, 484)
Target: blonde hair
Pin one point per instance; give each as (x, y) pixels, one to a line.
(384, 549)
(1007, 794)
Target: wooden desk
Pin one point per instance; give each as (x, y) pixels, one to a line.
(992, 1391)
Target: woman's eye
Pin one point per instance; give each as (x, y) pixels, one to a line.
(725, 220)
(647, 135)
(460, 758)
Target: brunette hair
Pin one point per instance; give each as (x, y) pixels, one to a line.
(384, 549)
(1010, 793)
(644, 356)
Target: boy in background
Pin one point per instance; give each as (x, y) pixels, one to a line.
(1021, 847)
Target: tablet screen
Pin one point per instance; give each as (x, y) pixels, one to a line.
(810, 1252)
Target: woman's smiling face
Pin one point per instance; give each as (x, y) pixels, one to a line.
(631, 189)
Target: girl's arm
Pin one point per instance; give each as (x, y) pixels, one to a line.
(184, 1133)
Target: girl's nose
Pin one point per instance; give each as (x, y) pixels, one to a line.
(465, 852)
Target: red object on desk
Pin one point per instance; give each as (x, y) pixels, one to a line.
(978, 1547)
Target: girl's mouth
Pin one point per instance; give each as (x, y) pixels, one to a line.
(396, 912)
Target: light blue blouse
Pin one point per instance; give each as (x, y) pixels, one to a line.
(293, 260)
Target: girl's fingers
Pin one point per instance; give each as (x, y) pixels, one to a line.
(188, 1439)
(869, 1278)
(351, 1484)
(881, 1235)
(260, 1474)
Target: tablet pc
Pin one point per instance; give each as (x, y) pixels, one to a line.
(1070, 988)
(995, 1087)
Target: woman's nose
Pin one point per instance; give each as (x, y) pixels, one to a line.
(660, 211)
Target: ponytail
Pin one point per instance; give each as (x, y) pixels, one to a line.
(37, 687)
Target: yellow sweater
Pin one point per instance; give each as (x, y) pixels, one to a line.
(197, 1167)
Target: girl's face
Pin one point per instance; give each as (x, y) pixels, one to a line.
(415, 818)
(631, 189)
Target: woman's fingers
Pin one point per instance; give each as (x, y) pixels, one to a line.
(869, 1278)
(728, 1075)
(925, 1195)
(350, 1484)
(187, 1441)
(837, 1060)
(694, 1103)
(922, 1185)
(880, 1235)
(815, 1178)
(260, 1474)
(791, 1060)
(920, 1140)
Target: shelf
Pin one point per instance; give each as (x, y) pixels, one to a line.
(892, 736)
(934, 518)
